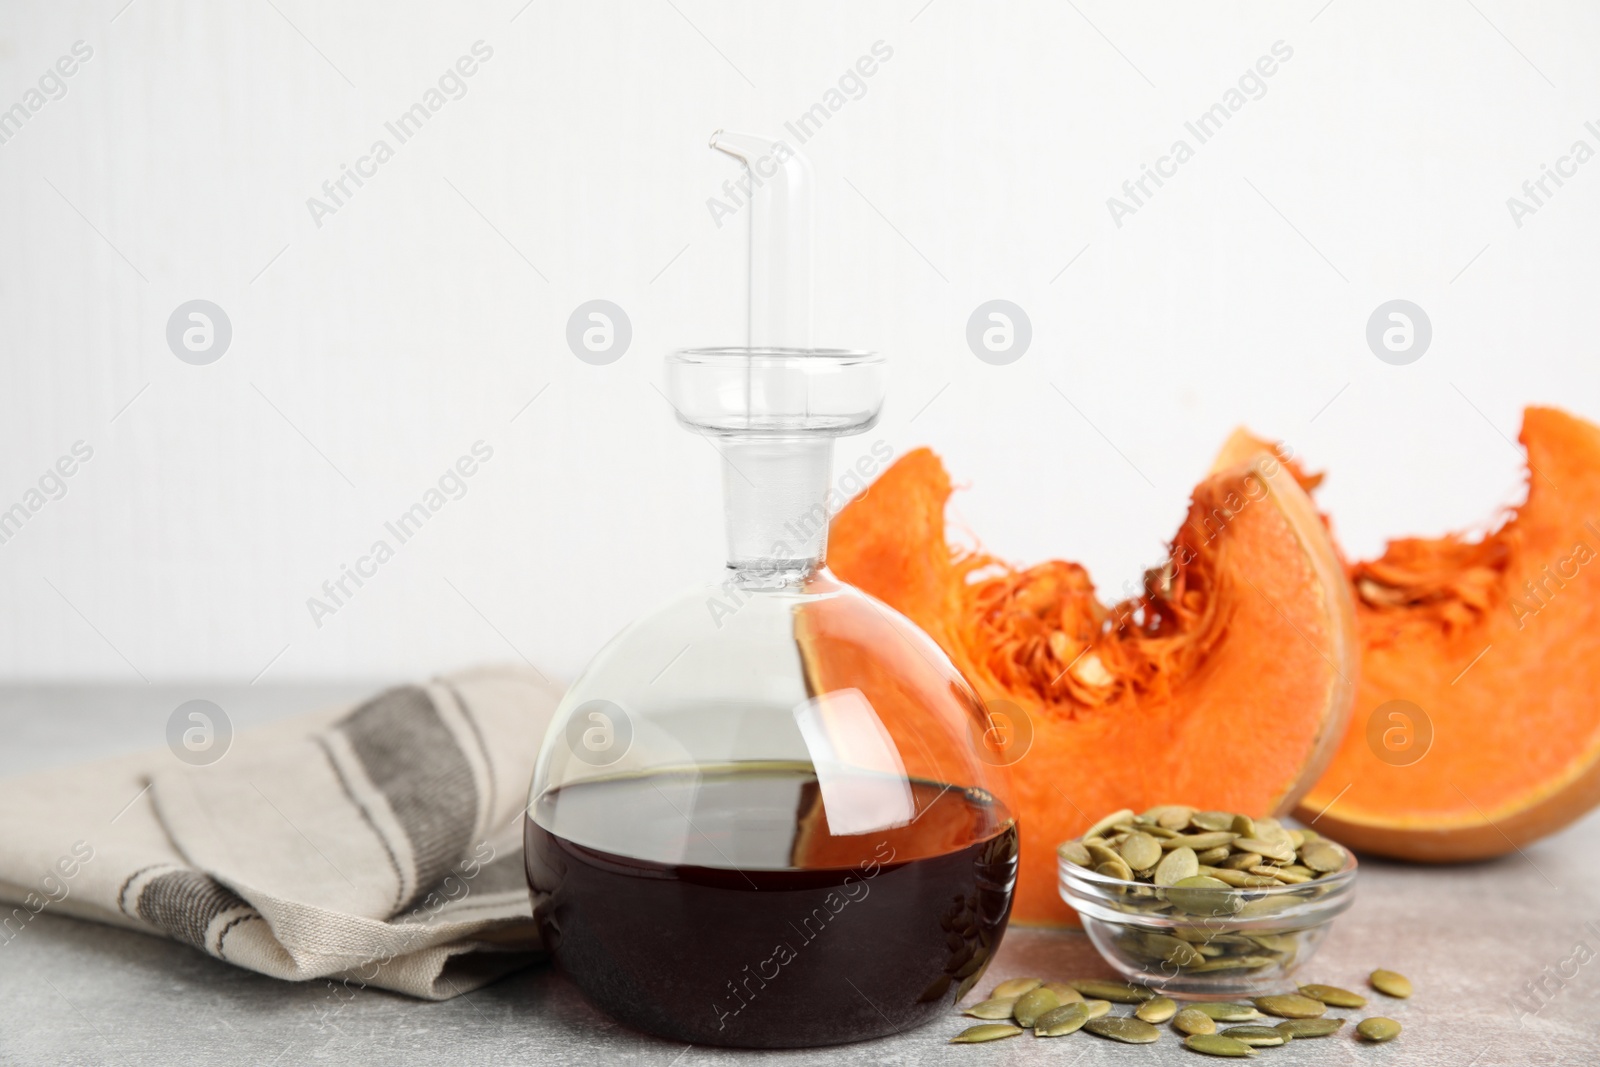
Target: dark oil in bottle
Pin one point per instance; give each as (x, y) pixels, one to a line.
(716, 907)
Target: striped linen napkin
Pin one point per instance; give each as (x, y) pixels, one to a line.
(379, 845)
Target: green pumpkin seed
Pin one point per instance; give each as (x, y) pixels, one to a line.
(1074, 852)
(1121, 992)
(1213, 856)
(1014, 988)
(1334, 997)
(1191, 1021)
(1390, 983)
(1174, 951)
(1100, 852)
(1099, 828)
(1064, 992)
(974, 1035)
(1226, 1011)
(1204, 895)
(1140, 851)
(1239, 861)
(1234, 963)
(997, 1008)
(1323, 856)
(1218, 1045)
(1378, 1028)
(1033, 1004)
(1281, 875)
(1269, 849)
(1177, 865)
(1061, 1020)
(1176, 817)
(1291, 1006)
(1212, 820)
(1258, 1036)
(1310, 1027)
(1124, 1028)
(1240, 879)
(1097, 1008)
(1244, 826)
(1199, 842)
(1115, 868)
(1157, 1009)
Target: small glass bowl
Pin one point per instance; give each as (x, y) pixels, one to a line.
(1206, 943)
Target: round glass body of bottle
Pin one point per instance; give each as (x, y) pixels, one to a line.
(763, 816)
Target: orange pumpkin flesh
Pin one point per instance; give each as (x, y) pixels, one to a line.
(1497, 641)
(1225, 684)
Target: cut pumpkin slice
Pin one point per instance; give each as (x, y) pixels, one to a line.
(1477, 725)
(1226, 683)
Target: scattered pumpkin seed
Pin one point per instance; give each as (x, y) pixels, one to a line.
(1218, 1045)
(996, 1008)
(1258, 1036)
(1226, 1011)
(1064, 992)
(974, 1035)
(1121, 992)
(1061, 1020)
(1014, 988)
(1033, 1004)
(1377, 1028)
(1156, 1010)
(1191, 1021)
(1124, 1028)
(1333, 996)
(1291, 1006)
(1310, 1027)
(1390, 983)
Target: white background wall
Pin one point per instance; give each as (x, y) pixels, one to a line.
(377, 348)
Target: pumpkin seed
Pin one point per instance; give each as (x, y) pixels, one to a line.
(1278, 875)
(1099, 828)
(1100, 852)
(1176, 817)
(1033, 1004)
(973, 1035)
(997, 1008)
(1226, 1011)
(1115, 868)
(1193, 1021)
(1310, 1027)
(1199, 842)
(1390, 983)
(1241, 861)
(1212, 820)
(1061, 1020)
(1241, 879)
(1258, 1036)
(1014, 988)
(1234, 963)
(1203, 895)
(1177, 952)
(1269, 849)
(1157, 1009)
(1140, 851)
(1064, 992)
(1074, 852)
(1097, 1008)
(1334, 997)
(1377, 1028)
(1124, 1028)
(1121, 992)
(1291, 1006)
(1213, 856)
(1218, 1045)
(1323, 856)
(1244, 826)
(1177, 865)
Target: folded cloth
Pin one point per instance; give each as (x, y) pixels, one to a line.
(377, 845)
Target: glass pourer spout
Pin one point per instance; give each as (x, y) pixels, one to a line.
(777, 185)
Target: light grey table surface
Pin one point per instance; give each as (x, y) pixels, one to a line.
(1472, 938)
